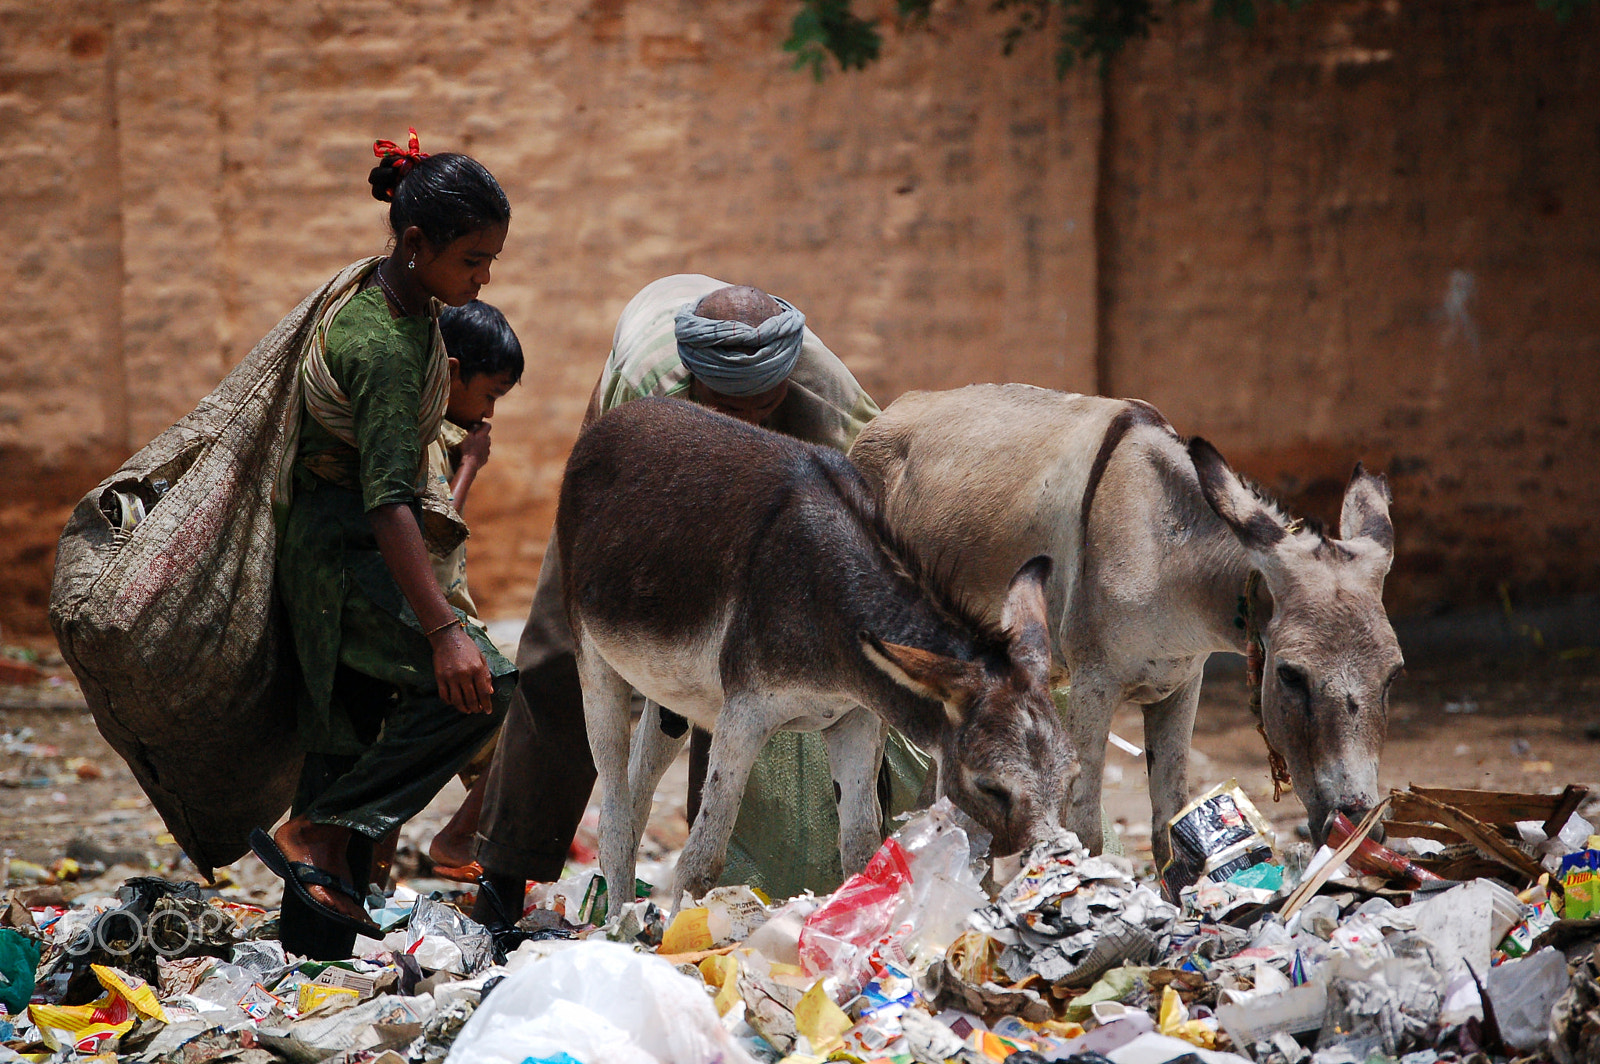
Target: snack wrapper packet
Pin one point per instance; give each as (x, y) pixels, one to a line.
(819, 1020)
(721, 973)
(86, 1028)
(1175, 1022)
(258, 1002)
(1519, 940)
(1578, 884)
(726, 915)
(312, 996)
(1218, 835)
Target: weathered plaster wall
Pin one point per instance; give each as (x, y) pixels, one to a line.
(1372, 230)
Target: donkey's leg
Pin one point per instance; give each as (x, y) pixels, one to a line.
(605, 712)
(743, 728)
(1095, 697)
(652, 752)
(855, 750)
(1168, 730)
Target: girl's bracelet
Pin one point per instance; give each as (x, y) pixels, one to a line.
(454, 621)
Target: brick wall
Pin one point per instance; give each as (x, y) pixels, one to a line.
(1264, 247)
(207, 161)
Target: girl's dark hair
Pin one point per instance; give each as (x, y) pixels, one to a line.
(447, 196)
(478, 336)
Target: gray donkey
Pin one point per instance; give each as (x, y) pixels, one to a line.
(1155, 545)
(745, 580)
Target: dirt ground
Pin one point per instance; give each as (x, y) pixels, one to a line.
(1527, 724)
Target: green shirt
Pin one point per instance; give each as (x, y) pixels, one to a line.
(328, 558)
(379, 360)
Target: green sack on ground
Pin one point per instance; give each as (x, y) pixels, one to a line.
(786, 839)
(19, 959)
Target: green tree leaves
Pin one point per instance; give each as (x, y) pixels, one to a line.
(822, 27)
(1085, 29)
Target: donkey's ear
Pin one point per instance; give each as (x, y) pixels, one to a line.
(945, 680)
(1025, 616)
(1238, 507)
(1365, 513)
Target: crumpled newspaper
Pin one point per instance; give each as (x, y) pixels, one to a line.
(382, 1023)
(1385, 1002)
(439, 1032)
(1069, 917)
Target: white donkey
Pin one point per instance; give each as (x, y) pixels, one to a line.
(1157, 546)
(744, 580)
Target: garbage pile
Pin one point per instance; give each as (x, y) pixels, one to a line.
(1366, 954)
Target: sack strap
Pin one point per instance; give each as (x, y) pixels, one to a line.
(443, 529)
(327, 403)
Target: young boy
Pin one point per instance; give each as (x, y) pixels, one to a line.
(485, 363)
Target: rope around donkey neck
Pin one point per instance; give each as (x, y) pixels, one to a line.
(1254, 664)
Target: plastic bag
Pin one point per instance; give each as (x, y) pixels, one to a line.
(944, 883)
(912, 898)
(1155, 1048)
(1523, 992)
(442, 939)
(833, 937)
(597, 1001)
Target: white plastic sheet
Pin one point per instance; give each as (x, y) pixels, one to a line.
(1524, 991)
(1158, 1049)
(601, 1003)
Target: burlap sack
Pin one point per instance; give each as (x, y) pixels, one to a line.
(172, 628)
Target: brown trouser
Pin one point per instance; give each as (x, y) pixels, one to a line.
(542, 773)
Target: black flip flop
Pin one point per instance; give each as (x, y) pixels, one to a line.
(297, 876)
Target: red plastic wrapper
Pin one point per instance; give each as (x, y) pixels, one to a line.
(857, 914)
(1374, 859)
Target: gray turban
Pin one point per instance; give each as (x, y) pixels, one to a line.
(733, 358)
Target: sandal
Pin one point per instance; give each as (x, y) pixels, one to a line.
(297, 876)
(470, 872)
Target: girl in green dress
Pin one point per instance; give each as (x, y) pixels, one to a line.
(399, 690)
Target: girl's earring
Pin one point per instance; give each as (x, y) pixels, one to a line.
(412, 264)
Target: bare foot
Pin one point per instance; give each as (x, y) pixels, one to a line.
(452, 851)
(457, 842)
(324, 846)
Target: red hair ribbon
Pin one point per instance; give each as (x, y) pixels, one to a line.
(411, 156)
